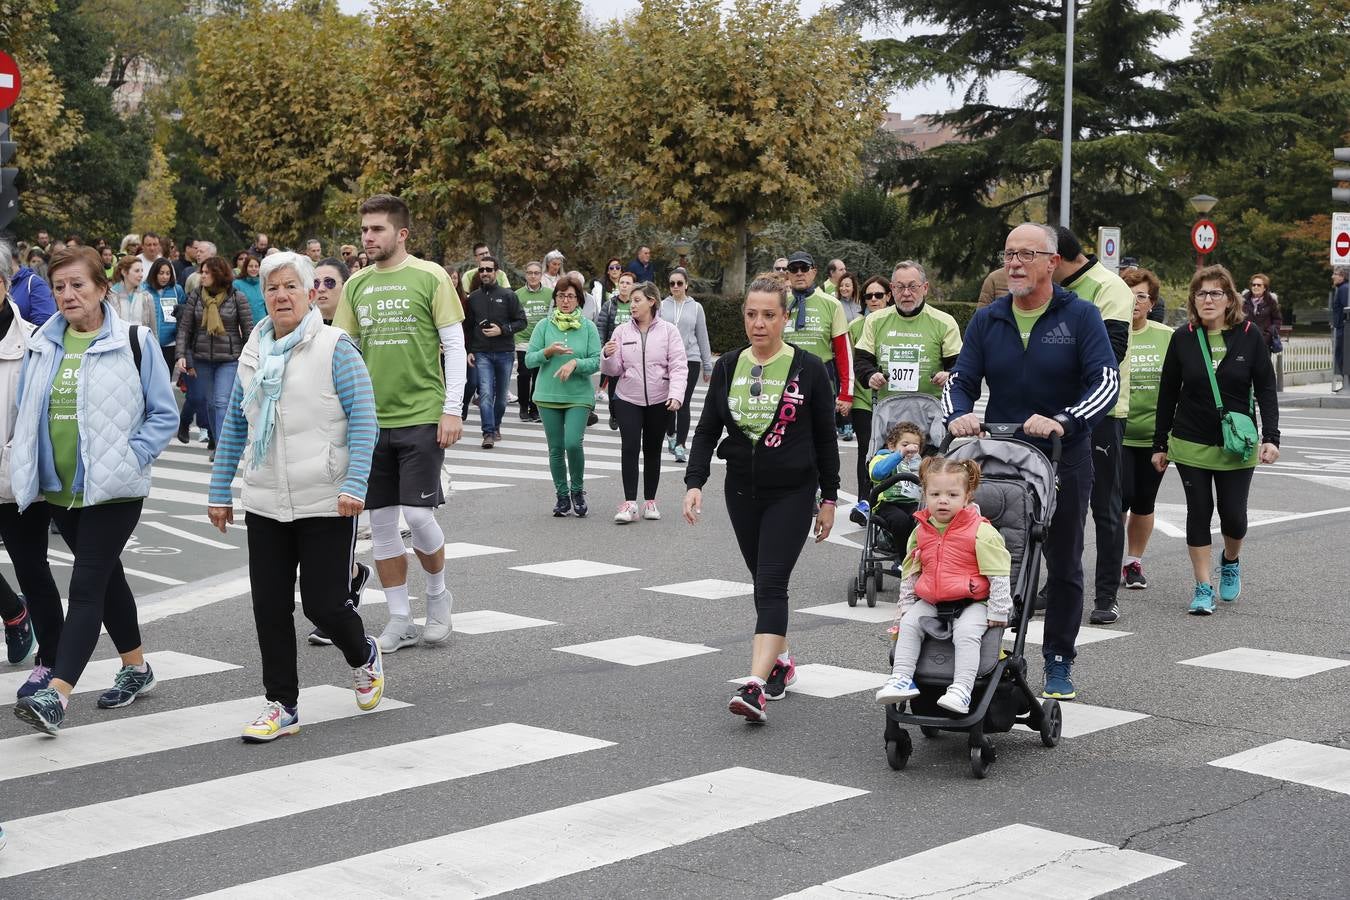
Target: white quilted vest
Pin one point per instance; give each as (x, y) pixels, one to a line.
(306, 463)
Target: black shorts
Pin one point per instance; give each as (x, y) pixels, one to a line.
(1139, 481)
(405, 469)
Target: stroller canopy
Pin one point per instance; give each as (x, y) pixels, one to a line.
(923, 410)
(1004, 459)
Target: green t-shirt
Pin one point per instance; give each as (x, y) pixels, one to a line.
(623, 312)
(1114, 299)
(469, 281)
(910, 350)
(824, 321)
(1026, 320)
(754, 414)
(991, 553)
(1208, 456)
(1148, 347)
(862, 394)
(393, 315)
(63, 425)
(536, 305)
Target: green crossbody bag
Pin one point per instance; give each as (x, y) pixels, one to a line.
(1239, 430)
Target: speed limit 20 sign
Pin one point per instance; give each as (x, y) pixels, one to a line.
(1205, 236)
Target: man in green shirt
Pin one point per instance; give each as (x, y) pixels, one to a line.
(816, 323)
(406, 319)
(469, 281)
(535, 299)
(908, 347)
(833, 272)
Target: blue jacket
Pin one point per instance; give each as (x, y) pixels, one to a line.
(252, 292)
(32, 296)
(125, 419)
(167, 324)
(1067, 371)
(1340, 300)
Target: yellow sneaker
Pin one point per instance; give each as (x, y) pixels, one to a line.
(368, 680)
(272, 724)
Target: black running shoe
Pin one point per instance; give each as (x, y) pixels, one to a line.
(358, 585)
(563, 506)
(1133, 577)
(1105, 616)
(318, 638)
(19, 638)
(749, 701)
(579, 504)
(127, 686)
(591, 419)
(780, 676)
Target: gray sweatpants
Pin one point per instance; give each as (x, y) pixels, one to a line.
(967, 634)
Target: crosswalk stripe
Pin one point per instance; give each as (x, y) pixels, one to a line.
(1301, 762)
(540, 459)
(178, 532)
(173, 474)
(1015, 861)
(497, 472)
(170, 495)
(43, 841)
(534, 849)
(148, 576)
(85, 745)
(168, 665)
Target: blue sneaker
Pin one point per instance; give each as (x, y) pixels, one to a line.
(1058, 684)
(19, 639)
(1230, 580)
(897, 690)
(861, 511)
(127, 686)
(1202, 604)
(39, 678)
(846, 432)
(44, 710)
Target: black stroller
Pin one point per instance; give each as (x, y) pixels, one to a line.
(1017, 494)
(925, 411)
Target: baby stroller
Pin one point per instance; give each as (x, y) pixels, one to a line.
(1016, 494)
(925, 411)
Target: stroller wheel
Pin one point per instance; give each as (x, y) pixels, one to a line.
(929, 731)
(898, 751)
(873, 585)
(1052, 723)
(981, 758)
(853, 591)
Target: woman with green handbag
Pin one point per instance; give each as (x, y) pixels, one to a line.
(1216, 371)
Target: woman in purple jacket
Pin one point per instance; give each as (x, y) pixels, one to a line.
(646, 357)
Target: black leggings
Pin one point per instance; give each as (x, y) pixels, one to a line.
(1139, 481)
(99, 593)
(640, 427)
(678, 424)
(322, 549)
(770, 532)
(862, 433)
(25, 538)
(1202, 487)
(525, 386)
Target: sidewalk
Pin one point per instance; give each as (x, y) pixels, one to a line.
(1314, 396)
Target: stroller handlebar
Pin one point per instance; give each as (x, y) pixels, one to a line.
(1006, 432)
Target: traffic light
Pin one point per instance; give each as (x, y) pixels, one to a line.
(1339, 174)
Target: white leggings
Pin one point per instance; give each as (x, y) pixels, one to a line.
(967, 634)
(387, 543)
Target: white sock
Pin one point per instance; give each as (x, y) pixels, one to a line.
(399, 605)
(1131, 560)
(435, 582)
(785, 658)
(755, 679)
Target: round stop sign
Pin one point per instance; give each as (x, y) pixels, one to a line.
(1205, 236)
(10, 82)
(1343, 246)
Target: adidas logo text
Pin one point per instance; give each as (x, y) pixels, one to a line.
(1059, 335)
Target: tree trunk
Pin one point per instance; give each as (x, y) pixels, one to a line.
(733, 278)
(490, 231)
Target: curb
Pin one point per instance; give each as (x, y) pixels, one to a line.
(1324, 402)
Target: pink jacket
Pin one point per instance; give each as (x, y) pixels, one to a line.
(651, 369)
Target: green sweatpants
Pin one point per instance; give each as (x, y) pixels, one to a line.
(564, 429)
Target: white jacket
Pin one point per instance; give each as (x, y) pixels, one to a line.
(12, 345)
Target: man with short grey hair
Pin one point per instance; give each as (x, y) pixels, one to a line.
(833, 272)
(314, 250)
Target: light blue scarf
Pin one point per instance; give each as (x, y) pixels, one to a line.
(273, 355)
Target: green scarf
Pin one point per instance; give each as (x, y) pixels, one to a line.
(566, 321)
(214, 323)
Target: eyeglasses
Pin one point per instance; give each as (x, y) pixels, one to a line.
(911, 287)
(780, 268)
(756, 380)
(1025, 256)
(677, 284)
(1141, 297)
(486, 269)
(1210, 295)
(798, 268)
(328, 283)
(1256, 284)
(565, 295)
(875, 295)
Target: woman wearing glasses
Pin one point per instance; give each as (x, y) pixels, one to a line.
(1217, 355)
(686, 314)
(775, 403)
(876, 296)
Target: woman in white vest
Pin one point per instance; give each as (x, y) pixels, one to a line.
(95, 410)
(301, 417)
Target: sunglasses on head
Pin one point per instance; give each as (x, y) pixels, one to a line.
(798, 268)
(757, 380)
(328, 283)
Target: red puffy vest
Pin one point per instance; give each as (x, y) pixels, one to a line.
(949, 568)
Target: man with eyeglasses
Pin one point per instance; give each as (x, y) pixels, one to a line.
(834, 270)
(1049, 365)
(1104, 289)
(535, 299)
(816, 323)
(469, 281)
(494, 314)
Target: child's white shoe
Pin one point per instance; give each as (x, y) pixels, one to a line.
(957, 700)
(897, 690)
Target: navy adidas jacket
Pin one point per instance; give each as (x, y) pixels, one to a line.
(1067, 371)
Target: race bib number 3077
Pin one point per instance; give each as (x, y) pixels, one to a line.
(902, 368)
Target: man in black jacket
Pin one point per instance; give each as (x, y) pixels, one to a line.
(494, 315)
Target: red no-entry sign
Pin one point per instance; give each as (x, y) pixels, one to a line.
(10, 82)
(1343, 246)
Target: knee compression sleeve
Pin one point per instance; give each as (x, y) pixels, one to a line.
(385, 541)
(427, 536)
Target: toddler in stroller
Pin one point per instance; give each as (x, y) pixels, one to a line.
(953, 555)
(895, 506)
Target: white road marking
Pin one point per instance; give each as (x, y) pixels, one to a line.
(535, 849)
(1273, 663)
(706, 589)
(1315, 765)
(191, 596)
(637, 650)
(574, 568)
(1086, 634)
(818, 680)
(211, 806)
(490, 621)
(168, 665)
(178, 532)
(148, 576)
(882, 612)
(1083, 718)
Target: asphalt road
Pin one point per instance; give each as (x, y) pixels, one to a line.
(564, 773)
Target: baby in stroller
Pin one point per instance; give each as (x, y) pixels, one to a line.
(953, 554)
(896, 505)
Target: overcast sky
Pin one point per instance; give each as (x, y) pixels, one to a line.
(934, 97)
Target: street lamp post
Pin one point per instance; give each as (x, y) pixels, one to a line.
(1202, 204)
(1066, 149)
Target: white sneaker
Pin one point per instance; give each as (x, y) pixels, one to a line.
(650, 512)
(398, 633)
(368, 682)
(438, 618)
(897, 690)
(627, 512)
(202, 436)
(957, 700)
